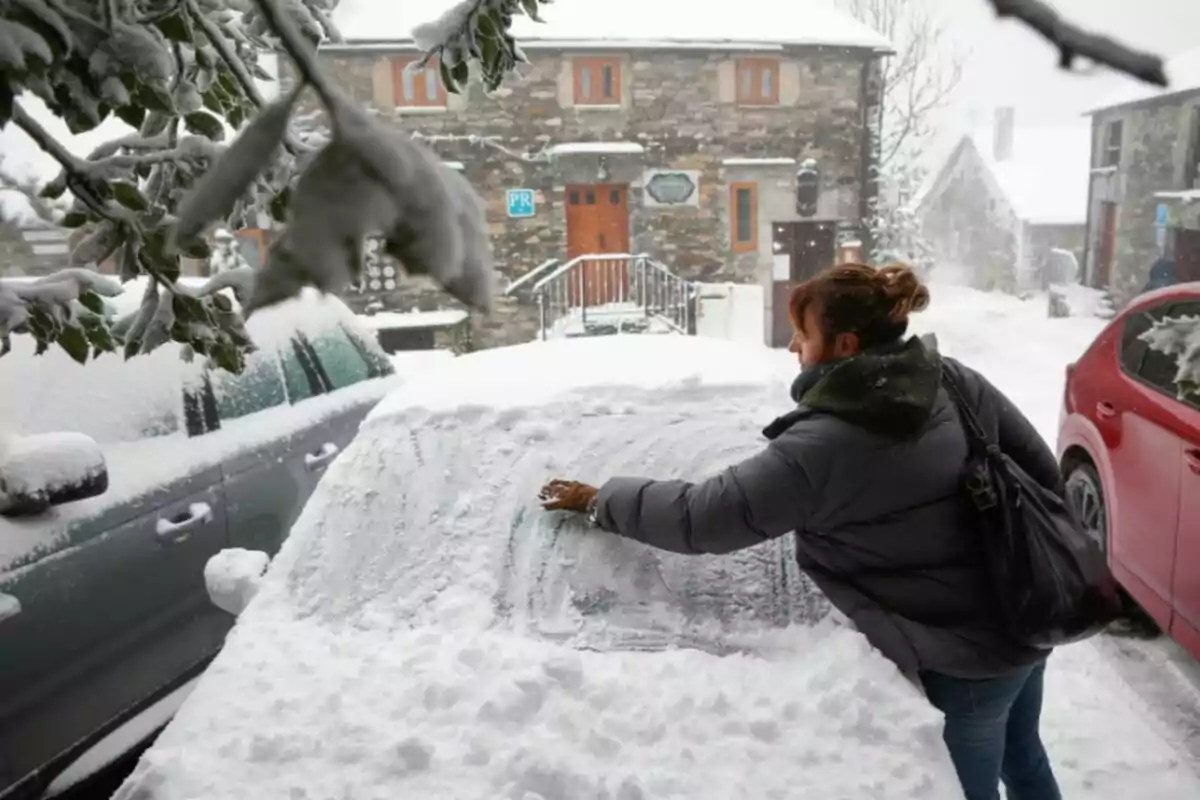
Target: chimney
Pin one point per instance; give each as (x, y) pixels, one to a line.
(1002, 135)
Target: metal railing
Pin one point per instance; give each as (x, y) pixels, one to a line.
(627, 292)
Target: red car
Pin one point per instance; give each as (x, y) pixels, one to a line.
(1129, 445)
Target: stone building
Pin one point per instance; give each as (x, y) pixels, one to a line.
(1005, 200)
(1145, 181)
(643, 129)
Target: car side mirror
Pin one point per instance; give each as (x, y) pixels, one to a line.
(37, 472)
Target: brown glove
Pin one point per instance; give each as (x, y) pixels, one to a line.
(560, 495)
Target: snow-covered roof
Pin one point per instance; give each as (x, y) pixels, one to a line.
(578, 148)
(1183, 74)
(390, 320)
(635, 23)
(1045, 180)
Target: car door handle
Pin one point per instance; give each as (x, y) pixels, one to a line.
(9, 607)
(170, 530)
(319, 459)
(1192, 457)
(1105, 410)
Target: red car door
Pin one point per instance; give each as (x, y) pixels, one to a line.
(1185, 627)
(1138, 415)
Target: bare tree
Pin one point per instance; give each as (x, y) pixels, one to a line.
(919, 78)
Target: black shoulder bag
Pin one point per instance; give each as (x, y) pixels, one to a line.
(1052, 580)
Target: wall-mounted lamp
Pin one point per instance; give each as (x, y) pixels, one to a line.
(602, 173)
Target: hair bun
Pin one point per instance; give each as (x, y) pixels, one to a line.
(902, 286)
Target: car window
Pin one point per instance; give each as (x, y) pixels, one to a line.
(378, 363)
(299, 372)
(259, 387)
(1158, 369)
(1133, 348)
(341, 360)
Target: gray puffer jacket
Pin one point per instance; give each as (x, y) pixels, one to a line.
(866, 471)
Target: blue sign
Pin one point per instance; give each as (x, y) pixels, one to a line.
(520, 203)
(1160, 215)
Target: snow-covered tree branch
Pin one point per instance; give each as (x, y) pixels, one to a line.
(182, 74)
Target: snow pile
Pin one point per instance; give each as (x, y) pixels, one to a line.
(294, 708)
(801, 22)
(1084, 301)
(46, 463)
(232, 577)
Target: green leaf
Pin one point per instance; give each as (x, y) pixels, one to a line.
(54, 189)
(74, 219)
(131, 115)
(92, 302)
(129, 195)
(195, 248)
(175, 28)
(280, 204)
(448, 81)
(132, 347)
(154, 98)
(74, 341)
(206, 125)
(461, 73)
(531, 9)
(212, 101)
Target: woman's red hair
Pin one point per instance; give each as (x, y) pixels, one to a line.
(873, 304)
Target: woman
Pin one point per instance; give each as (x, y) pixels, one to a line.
(866, 471)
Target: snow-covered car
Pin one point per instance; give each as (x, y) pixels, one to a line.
(428, 631)
(120, 480)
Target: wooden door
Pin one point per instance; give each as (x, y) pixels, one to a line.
(814, 248)
(811, 247)
(597, 224)
(1108, 245)
(1187, 255)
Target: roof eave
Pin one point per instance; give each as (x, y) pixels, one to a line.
(564, 42)
(1145, 102)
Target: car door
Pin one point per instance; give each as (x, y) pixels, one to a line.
(112, 616)
(267, 484)
(268, 480)
(1185, 626)
(1137, 415)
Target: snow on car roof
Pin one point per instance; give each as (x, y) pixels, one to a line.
(540, 372)
(662, 23)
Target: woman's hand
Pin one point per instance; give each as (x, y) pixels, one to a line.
(560, 495)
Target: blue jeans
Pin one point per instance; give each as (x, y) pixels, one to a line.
(992, 733)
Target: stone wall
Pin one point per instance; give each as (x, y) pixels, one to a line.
(680, 107)
(1154, 154)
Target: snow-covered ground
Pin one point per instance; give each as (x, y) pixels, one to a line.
(428, 631)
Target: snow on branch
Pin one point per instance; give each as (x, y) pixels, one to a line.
(1072, 40)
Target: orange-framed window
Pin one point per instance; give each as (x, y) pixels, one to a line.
(252, 243)
(418, 87)
(757, 82)
(743, 216)
(597, 81)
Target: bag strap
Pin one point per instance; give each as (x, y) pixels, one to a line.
(970, 421)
